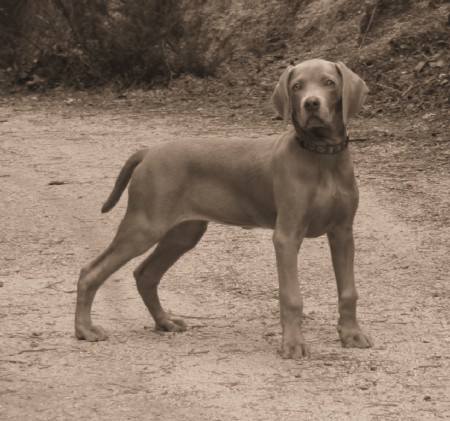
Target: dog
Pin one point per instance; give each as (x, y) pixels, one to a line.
(299, 185)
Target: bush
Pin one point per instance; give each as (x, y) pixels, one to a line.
(91, 42)
(86, 42)
(10, 35)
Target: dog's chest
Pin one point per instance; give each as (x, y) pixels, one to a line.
(334, 201)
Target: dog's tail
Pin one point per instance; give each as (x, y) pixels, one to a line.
(122, 179)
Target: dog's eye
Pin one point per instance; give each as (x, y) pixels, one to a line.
(329, 82)
(297, 86)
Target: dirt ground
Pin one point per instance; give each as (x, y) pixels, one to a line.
(58, 160)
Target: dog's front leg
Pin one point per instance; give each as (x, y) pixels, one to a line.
(342, 253)
(287, 245)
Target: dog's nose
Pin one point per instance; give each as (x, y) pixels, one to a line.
(312, 103)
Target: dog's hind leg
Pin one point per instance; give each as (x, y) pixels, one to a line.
(180, 239)
(134, 237)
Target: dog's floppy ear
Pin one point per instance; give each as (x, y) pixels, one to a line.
(354, 92)
(281, 97)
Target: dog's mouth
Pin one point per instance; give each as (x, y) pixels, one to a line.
(314, 121)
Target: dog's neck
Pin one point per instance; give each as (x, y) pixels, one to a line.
(322, 140)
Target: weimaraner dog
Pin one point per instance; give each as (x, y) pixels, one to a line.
(300, 185)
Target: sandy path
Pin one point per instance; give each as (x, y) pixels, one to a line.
(226, 366)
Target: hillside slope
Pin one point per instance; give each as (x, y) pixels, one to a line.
(400, 48)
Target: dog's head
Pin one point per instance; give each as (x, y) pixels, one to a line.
(319, 94)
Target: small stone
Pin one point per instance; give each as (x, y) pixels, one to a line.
(437, 63)
(420, 66)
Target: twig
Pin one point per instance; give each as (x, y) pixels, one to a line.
(374, 405)
(138, 389)
(196, 317)
(388, 87)
(52, 285)
(375, 6)
(430, 366)
(13, 361)
(197, 352)
(408, 89)
(359, 139)
(35, 350)
(167, 64)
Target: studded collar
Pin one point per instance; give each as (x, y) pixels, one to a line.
(322, 149)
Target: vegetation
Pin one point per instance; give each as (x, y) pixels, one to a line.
(400, 47)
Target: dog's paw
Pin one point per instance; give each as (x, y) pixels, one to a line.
(169, 324)
(354, 338)
(294, 347)
(91, 333)
(295, 351)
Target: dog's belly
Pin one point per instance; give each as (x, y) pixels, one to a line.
(229, 205)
